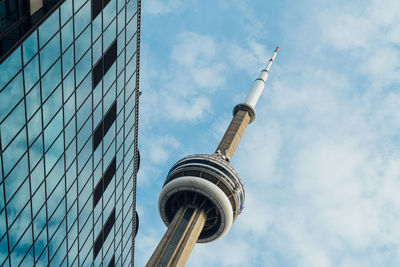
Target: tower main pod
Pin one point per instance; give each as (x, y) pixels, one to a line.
(203, 195)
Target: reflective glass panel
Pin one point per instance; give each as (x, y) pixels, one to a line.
(12, 124)
(83, 43)
(83, 90)
(70, 131)
(30, 47)
(68, 60)
(66, 11)
(53, 130)
(9, 67)
(49, 28)
(36, 152)
(51, 80)
(10, 96)
(83, 67)
(52, 105)
(121, 20)
(14, 151)
(54, 153)
(83, 115)
(82, 19)
(109, 13)
(38, 200)
(33, 100)
(67, 35)
(34, 127)
(109, 35)
(50, 53)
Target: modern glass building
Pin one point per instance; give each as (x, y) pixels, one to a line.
(69, 76)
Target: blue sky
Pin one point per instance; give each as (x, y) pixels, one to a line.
(321, 162)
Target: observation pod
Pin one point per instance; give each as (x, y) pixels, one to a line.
(208, 182)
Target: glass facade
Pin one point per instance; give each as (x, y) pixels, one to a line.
(68, 138)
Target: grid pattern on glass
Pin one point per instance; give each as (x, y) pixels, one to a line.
(19, 18)
(48, 111)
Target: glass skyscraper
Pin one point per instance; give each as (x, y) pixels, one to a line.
(69, 76)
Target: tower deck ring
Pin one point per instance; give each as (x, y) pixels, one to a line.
(209, 190)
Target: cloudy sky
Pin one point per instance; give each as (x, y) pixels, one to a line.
(320, 164)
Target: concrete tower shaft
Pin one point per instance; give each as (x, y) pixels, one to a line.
(202, 194)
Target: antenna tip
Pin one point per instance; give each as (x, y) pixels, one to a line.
(277, 48)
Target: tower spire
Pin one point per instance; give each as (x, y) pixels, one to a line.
(203, 195)
(244, 113)
(259, 84)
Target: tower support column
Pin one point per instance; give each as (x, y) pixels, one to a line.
(234, 133)
(180, 238)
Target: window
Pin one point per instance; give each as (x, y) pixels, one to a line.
(104, 182)
(104, 64)
(97, 7)
(104, 125)
(104, 233)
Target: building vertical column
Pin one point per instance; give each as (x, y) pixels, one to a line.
(180, 238)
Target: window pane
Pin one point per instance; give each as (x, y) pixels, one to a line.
(66, 11)
(50, 53)
(29, 47)
(49, 28)
(84, 155)
(69, 109)
(78, 4)
(82, 18)
(68, 60)
(33, 100)
(38, 200)
(70, 131)
(54, 153)
(70, 154)
(16, 178)
(83, 43)
(34, 127)
(131, 29)
(121, 20)
(52, 105)
(16, 230)
(10, 67)
(67, 35)
(84, 134)
(83, 90)
(10, 96)
(36, 152)
(52, 130)
(51, 80)
(14, 151)
(97, 51)
(131, 9)
(109, 13)
(12, 124)
(83, 67)
(69, 85)
(83, 114)
(53, 180)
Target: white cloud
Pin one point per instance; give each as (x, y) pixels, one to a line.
(181, 92)
(248, 56)
(156, 7)
(158, 148)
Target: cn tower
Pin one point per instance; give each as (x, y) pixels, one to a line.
(203, 194)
